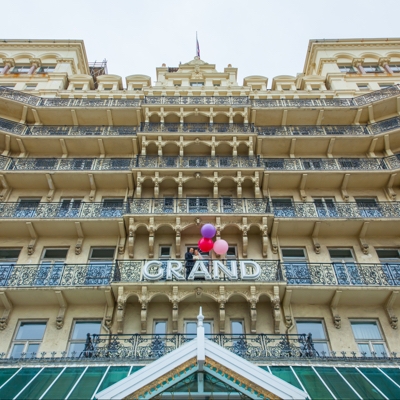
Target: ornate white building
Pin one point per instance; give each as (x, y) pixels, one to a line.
(106, 184)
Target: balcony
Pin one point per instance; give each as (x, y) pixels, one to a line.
(198, 162)
(198, 100)
(55, 274)
(149, 127)
(280, 208)
(341, 273)
(67, 164)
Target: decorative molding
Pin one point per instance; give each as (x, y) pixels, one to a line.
(122, 238)
(109, 308)
(121, 310)
(393, 320)
(337, 320)
(363, 243)
(7, 310)
(34, 237)
(317, 246)
(62, 310)
(287, 309)
(276, 309)
(79, 242)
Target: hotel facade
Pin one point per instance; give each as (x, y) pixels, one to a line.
(105, 185)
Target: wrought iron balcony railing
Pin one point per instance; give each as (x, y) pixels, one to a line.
(150, 347)
(49, 274)
(335, 102)
(67, 164)
(198, 162)
(200, 100)
(36, 101)
(280, 208)
(300, 130)
(56, 274)
(269, 164)
(341, 273)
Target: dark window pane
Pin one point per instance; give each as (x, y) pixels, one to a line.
(82, 328)
(103, 253)
(31, 330)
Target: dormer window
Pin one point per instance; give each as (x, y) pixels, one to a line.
(372, 68)
(78, 87)
(107, 87)
(196, 84)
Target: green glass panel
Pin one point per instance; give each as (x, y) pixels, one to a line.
(312, 383)
(88, 384)
(64, 384)
(136, 368)
(394, 373)
(385, 385)
(286, 374)
(40, 384)
(6, 374)
(336, 383)
(114, 374)
(359, 383)
(15, 385)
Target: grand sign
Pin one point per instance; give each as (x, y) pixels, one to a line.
(207, 270)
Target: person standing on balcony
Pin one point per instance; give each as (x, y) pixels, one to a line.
(189, 261)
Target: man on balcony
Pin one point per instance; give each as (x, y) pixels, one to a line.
(189, 261)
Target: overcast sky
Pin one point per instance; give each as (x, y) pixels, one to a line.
(260, 37)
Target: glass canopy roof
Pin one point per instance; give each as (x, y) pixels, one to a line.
(83, 382)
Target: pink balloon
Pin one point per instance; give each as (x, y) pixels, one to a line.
(221, 246)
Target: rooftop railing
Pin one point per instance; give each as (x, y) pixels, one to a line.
(280, 208)
(299, 130)
(198, 162)
(358, 101)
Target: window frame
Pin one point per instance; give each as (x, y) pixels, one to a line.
(77, 341)
(370, 342)
(27, 342)
(317, 341)
(206, 321)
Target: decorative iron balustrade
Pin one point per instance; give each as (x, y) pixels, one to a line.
(321, 208)
(335, 102)
(197, 100)
(342, 273)
(56, 274)
(36, 101)
(196, 127)
(198, 162)
(150, 347)
(200, 100)
(330, 164)
(130, 271)
(269, 164)
(280, 208)
(67, 164)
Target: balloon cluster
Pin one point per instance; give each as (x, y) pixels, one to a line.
(205, 244)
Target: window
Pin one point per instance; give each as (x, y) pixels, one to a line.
(45, 163)
(77, 341)
(348, 69)
(315, 87)
(28, 338)
(368, 338)
(165, 251)
(317, 330)
(51, 267)
(345, 267)
(395, 67)
(30, 87)
(362, 86)
(349, 163)
(45, 69)
(100, 266)
(325, 207)
(78, 87)
(21, 69)
(372, 68)
(191, 328)
(198, 162)
(198, 205)
(385, 85)
(69, 208)
(237, 329)
(312, 164)
(368, 208)
(26, 208)
(228, 204)
(196, 84)
(283, 207)
(296, 268)
(82, 164)
(160, 327)
(390, 259)
(112, 208)
(8, 258)
(107, 87)
(276, 163)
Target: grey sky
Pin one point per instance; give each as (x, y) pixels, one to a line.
(260, 37)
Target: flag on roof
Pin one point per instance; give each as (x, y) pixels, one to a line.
(197, 47)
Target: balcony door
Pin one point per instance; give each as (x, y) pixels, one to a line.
(26, 208)
(112, 208)
(283, 207)
(325, 207)
(296, 266)
(8, 258)
(368, 208)
(197, 205)
(51, 267)
(390, 261)
(345, 267)
(69, 208)
(100, 266)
